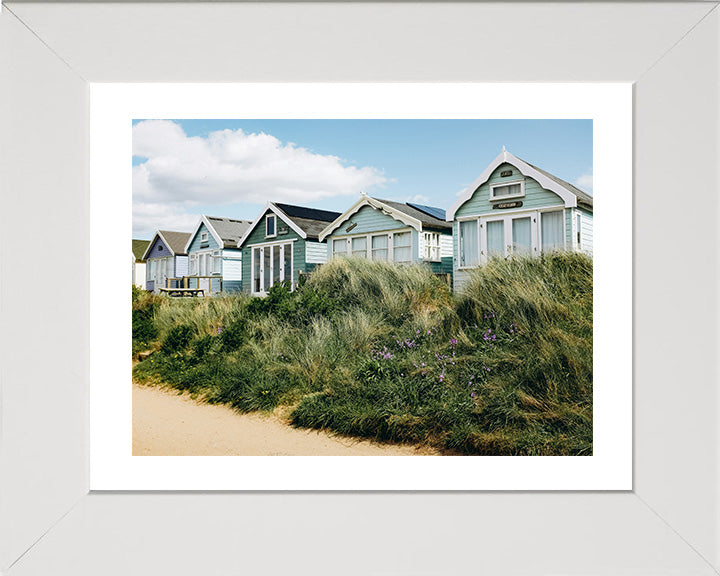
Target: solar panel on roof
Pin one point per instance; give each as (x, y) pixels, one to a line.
(307, 213)
(429, 210)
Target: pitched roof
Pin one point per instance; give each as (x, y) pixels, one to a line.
(584, 197)
(228, 229)
(571, 195)
(415, 215)
(175, 241)
(422, 213)
(139, 247)
(310, 220)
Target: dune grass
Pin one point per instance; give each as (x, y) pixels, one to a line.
(387, 352)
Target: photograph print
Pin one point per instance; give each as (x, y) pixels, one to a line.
(362, 287)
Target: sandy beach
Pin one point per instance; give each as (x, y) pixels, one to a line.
(166, 423)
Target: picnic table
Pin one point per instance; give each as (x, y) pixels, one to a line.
(183, 291)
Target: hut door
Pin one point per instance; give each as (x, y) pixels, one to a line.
(501, 236)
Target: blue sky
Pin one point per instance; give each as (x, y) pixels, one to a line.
(184, 168)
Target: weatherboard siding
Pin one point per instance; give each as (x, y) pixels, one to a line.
(535, 195)
(231, 269)
(315, 252)
(445, 266)
(368, 219)
(257, 237)
(196, 244)
(446, 246)
(181, 266)
(586, 231)
(158, 249)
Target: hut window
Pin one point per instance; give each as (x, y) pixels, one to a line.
(287, 263)
(495, 238)
(402, 250)
(521, 236)
(431, 246)
(507, 190)
(579, 230)
(552, 231)
(217, 262)
(380, 247)
(359, 247)
(270, 225)
(193, 265)
(339, 247)
(469, 241)
(203, 237)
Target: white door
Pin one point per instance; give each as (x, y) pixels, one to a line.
(501, 236)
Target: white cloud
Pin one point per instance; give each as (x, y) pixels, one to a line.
(228, 167)
(149, 217)
(585, 182)
(418, 199)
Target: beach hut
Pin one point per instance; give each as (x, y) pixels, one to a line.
(166, 260)
(215, 262)
(517, 208)
(138, 264)
(393, 231)
(281, 244)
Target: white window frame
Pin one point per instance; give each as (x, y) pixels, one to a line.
(255, 249)
(477, 229)
(507, 230)
(391, 242)
(564, 223)
(348, 244)
(267, 219)
(204, 237)
(495, 198)
(427, 246)
(535, 231)
(578, 219)
(216, 263)
(368, 243)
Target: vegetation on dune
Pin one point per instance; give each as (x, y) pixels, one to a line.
(388, 352)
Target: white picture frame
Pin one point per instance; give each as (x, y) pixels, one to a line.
(115, 106)
(668, 523)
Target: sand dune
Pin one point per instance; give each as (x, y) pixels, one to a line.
(168, 424)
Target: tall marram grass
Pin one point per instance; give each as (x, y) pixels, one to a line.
(387, 352)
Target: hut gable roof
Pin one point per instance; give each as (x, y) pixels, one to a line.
(139, 247)
(415, 215)
(571, 195)
(227, 230)
(307, 222)
(175, 242)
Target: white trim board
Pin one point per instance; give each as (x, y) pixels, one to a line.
(51, 525)
(203, 220)
(280, 214)
(377, 205)
(506, 157)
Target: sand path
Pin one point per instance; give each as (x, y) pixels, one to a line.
(168, 424)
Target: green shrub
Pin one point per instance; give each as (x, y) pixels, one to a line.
(382, 351)
(178, 338)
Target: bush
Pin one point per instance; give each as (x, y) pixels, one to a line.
(178, 338)
(387, 352)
